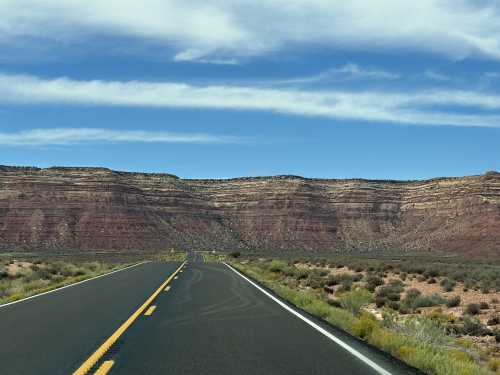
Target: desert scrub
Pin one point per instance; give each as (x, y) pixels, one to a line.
(24, 279)
(419, 341)
(354, 300)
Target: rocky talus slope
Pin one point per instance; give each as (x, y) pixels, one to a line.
(100, 209)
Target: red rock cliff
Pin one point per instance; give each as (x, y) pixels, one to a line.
(97, 209)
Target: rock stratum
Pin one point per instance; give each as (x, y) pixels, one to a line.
(99, 209)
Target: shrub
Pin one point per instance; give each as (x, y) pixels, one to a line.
(380, 301)
(425, 301)
(472, 309)
(484, 305)
(365, 325)
(473, 327)
(289, 271)
(448, 285)
(494, 365)
(334, 302)
(301, 274)
(353, 301)
(346, 285)
(277, 266)
(394, 305)
(314, 281)
(454, 301)
(391, 292)
(357, 277)
(485, 287)
(496, 333)
(323, 273)
(493, 321)
(332, 281)
(372, 282)
(235, 254)
(431, 273)
(432, 281)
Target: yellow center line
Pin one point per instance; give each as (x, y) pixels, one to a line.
(150, 310)
(92, 360)
(105, 367)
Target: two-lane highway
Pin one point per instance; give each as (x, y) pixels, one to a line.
(53, 333)
(207, 320)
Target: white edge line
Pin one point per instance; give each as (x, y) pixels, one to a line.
(67, 286)
(338, 341)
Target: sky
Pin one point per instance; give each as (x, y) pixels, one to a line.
(383, 89)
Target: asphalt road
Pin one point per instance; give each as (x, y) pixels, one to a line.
(54, 333)
(210, 321)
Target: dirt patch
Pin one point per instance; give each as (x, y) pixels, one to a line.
(17, 267)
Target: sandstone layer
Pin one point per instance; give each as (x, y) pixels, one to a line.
(99, 209)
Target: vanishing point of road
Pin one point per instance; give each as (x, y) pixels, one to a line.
(175, 318)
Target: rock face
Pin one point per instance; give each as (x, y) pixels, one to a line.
(100, 209)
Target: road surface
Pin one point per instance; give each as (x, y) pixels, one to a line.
(208, 320)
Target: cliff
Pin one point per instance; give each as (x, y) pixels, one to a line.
(100, 209)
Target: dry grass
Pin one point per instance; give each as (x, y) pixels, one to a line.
(20, 279)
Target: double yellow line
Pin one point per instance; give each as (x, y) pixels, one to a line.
(92, 360)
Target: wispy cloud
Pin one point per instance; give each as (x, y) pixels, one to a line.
(420, 108)
(435, 76)
(343, 73)
(196, 56)
(447, 27)
(71, 136)
(491, 75)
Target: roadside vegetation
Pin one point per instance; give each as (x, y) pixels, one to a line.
(214, 256)
(442, 318)
(24, 278)
(170, 256)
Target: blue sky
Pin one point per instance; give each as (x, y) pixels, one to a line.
(223, 89)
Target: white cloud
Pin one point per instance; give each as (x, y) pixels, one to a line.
(456, 28)
(197, 56)
(70, 136)
(435, 76)
(344, 73)
(396, 107)
(491, 75)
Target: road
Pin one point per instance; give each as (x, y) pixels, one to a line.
(209, 321)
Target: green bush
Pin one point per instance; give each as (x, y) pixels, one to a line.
(473, 327)
(345, 286)
(373, 281)
(354, 300)
(448, 285)
(301, 274)
(392, 291)
(454, 301)
(277, 266)
(414, 300)
(473, 309)
(314, 281)
(365, 326)
(380, 301)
